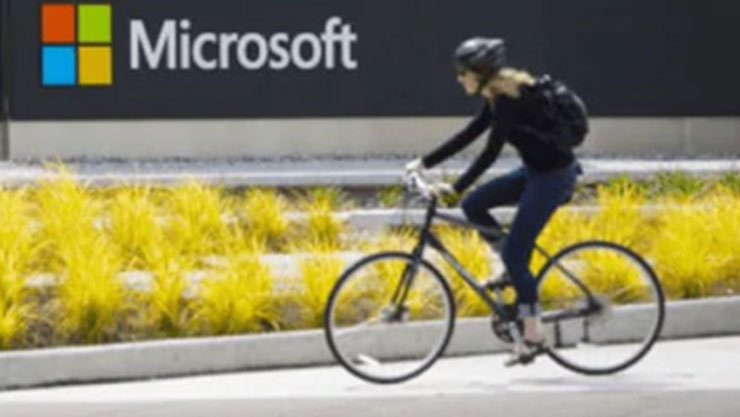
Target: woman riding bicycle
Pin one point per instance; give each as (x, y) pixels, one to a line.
(512, 108)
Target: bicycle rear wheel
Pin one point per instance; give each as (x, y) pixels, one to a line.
(388, 319)
(603, 307)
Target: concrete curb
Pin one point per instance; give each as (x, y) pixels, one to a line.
(168, 358)
(328, 172)
(376, 219)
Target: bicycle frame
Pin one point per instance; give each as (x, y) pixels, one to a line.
(427, 237)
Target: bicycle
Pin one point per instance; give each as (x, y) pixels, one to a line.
(391, 315)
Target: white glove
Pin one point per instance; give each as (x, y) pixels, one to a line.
(442, 189)
(415, 166)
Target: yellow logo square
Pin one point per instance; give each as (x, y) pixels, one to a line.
(95, 65)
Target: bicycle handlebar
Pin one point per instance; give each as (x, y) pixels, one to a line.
(416, 182)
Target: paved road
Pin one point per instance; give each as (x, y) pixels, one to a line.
(679, 378)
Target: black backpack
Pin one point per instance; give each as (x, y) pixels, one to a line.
(563, 117)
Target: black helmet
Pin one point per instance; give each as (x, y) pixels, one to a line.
(483, 56)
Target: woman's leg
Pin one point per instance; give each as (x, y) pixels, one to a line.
(506, 189)
(542, 196)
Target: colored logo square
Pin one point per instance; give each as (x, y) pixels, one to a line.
(94, 23)
(58, 23)
(58, 66)
(95, 65)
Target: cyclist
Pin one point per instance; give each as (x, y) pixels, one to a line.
(511, 107)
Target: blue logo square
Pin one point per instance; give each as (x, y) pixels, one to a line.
(58, 66)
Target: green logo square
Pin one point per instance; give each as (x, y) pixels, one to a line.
(94, 23)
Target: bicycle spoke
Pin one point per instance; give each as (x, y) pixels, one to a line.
(392, 342)
(597, 329)
(362, 359)
(344, 331)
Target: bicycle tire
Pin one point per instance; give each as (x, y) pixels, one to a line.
(352, 271)
(658, 309)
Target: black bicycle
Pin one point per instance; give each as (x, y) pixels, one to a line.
(391, 315)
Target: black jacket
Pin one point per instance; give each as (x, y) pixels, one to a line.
(510, 120)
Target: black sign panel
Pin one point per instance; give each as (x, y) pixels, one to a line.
(339, 58)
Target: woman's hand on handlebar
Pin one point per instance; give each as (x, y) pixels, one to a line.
(415, 166)
(418, 183)
(443, 190)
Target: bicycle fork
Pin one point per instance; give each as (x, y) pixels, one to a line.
(401, 292)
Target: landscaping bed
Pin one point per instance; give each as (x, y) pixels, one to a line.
(82, 265)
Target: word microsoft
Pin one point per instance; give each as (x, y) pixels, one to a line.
(175, 47)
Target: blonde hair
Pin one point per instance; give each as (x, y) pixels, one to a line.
(510, 79)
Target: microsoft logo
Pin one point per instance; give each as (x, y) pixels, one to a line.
(76, 45)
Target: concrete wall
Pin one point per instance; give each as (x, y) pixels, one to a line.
(346, 136)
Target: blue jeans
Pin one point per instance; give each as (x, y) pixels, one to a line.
(538, 195)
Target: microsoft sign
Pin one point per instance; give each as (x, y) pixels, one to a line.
(174, 46)
(76, 47)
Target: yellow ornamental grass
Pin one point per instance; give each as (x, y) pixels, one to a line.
(18, 241)
(618, 217)
(85, 238)
(170, 315)
(564, 228)
(725, 230)
(696, 248)
(323, 229)
(263, 211)
(238, 298)
(611, 274)
(196, 217)
(133, 224)
(18, 248)
(91, 296)
(403, 239)
(14, 318)
(424, 298)
(391, 196)
(367, 292)
(331, 197)
(476, 256)
(370, 290)
(68, 214)
(240, 242)
(169, 312)
(683, 252)
(318, 276)
(16, 307)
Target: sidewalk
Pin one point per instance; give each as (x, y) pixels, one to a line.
(176, 357)
(678, 378)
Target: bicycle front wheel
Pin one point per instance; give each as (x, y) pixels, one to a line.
(389, 317)
(603, 307)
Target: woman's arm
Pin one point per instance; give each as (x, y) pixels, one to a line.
(461, 139)
(502, 129)
(482, 162)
